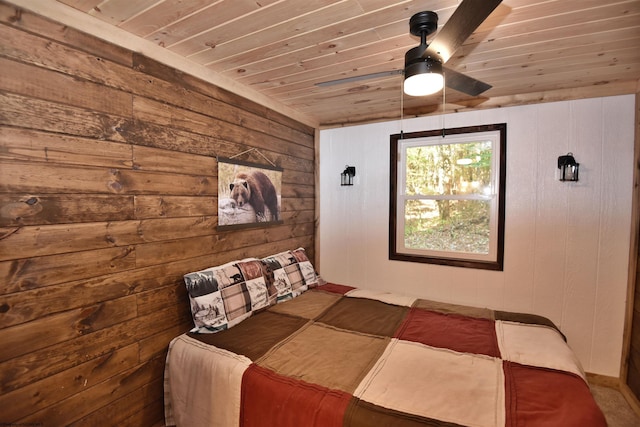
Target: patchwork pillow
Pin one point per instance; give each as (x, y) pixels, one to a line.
(311, 279)
(223, 296)
(291, 273)
(276, 267)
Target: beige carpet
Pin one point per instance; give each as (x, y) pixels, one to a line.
(615, 407)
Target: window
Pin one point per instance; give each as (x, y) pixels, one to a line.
(447, 196)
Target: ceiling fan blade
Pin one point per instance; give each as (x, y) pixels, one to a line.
(358, 78)
(463, 83)
(464, 21)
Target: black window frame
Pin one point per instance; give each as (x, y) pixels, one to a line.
(496, 264)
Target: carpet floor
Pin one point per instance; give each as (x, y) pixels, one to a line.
(615, 407)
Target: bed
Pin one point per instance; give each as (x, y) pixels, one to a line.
(321, 355)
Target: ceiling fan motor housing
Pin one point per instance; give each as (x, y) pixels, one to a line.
(420, 65)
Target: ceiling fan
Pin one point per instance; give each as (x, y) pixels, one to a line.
(424, 63)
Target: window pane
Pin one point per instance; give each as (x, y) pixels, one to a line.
(449, 169)
(447, 225)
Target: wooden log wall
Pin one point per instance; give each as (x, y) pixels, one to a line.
(630, 374)
(108, 195)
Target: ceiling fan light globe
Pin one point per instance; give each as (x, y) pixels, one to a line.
(423, 78)
(423, 84)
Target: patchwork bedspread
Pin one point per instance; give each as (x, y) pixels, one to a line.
(339, 356)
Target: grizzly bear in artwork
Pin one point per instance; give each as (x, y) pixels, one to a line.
(256, 189)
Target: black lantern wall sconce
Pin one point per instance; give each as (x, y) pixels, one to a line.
(568, 168)
(346, 177)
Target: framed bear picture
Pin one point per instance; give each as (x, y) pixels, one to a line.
(249, 194)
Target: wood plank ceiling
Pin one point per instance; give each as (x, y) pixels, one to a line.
(528, 50)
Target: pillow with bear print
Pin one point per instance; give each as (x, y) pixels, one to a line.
(223, 296)
(306, 268)
(279, 266)
(291, 273)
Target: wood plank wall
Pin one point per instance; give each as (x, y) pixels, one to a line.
(107, 197)
(631, 352)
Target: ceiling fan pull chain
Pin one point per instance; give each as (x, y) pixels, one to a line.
(444, 103)
(401, 109)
